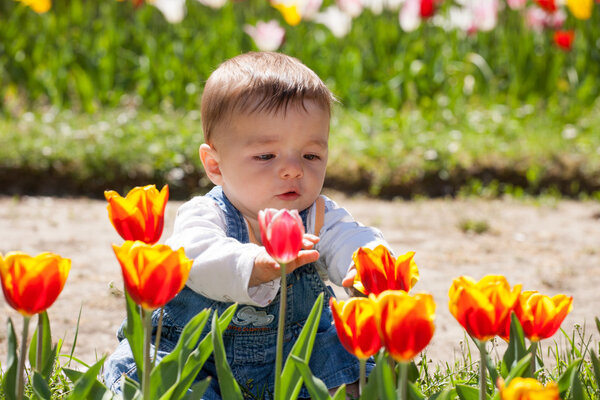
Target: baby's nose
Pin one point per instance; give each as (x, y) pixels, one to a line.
(291, 169)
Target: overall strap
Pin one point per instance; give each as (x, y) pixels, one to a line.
(319, 217)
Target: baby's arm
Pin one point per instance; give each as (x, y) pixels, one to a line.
(340, 237)
(222, 266)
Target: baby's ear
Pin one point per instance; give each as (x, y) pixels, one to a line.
(210, 161)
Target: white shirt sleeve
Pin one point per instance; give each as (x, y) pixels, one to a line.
(340, 237)
(222, 265)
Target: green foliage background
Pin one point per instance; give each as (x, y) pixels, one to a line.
(430, 112)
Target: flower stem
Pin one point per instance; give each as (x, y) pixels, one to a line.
(22, 355)
(280, 332)
(402, 391)
(147, 321)
(363, 374)
(482, 370)
(534, 347)
(158, 333)
(40, 344)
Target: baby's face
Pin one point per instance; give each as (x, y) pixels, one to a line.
(274, 160)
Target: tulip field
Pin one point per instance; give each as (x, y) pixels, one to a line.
(440, 98)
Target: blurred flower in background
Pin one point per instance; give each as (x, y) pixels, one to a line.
(172, 10)
(338, 22)
(268, 36)
(39, 6)
(294, 11)
(564, 39)
(581, 9)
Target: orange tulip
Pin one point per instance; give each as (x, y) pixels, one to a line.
(528, 389)
(140, 215)
(483, 308)
(153, 274)
(356, 325)
(377, 270)
(405, 322)
(32, 284)
(541, 315)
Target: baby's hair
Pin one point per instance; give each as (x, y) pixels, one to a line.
(259, 82)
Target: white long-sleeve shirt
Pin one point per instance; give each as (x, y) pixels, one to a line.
(222, 265)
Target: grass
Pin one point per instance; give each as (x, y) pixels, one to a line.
(474, 148)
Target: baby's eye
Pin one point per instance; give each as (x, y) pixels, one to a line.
(264, 157)
(311, 157)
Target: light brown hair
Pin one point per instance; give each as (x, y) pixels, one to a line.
(259, 82)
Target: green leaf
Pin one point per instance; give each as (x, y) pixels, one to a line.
(131, 389)
(467, 392)
(369, 392)
(75, 336)
(40, 387)
(291, 380)
(519, 369)
(316, 388)
(516, 349)
(227, 383)
(98, 390)
(577, 392)
(340, 393)
(134, 332)
(166, 373)
(196, 360)
(413, 372)
(596, 367)
(48, 352)
(84, 383)
(445, 394)
(386, 384)
(414, 392)
(566, 378)
(597, 323)
(198, 390)
(9, 379)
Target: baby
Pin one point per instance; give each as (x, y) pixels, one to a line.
(265, 118)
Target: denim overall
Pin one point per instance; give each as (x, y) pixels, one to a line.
(250, 339)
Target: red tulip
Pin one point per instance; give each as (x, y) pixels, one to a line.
(541, 316)
(32, 284)
(281, 232)
(140, 215)
(377, 270)
(547, 5)
(564, 39)
(405, 322)
(356, 325)
(483, 308)
(427, 8)
(153, 274)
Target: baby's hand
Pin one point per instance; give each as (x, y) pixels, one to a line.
(348, 282)
(266, 269)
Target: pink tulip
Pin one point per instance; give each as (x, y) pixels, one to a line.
(281, 232)
(516, 4)
(268, 36)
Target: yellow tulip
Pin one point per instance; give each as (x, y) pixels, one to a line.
(581, 9)
(528, 389)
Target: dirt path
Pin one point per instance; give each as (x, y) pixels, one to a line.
(553, 247)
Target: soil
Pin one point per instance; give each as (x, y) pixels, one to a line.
(548, 245)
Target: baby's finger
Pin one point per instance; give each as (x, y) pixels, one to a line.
(348, 280)
(304, 257)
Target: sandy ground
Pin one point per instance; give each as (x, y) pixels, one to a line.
(550, 246)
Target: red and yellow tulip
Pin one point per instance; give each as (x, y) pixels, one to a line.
(281, 232)
(140, 214)
(32, 284)
(540, 315)
(483, 308)
(153, 274)
(356, 325)
(378, 271)
(528, 389)
(405, 322)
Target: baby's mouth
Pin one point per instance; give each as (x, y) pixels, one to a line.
(291, 195)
